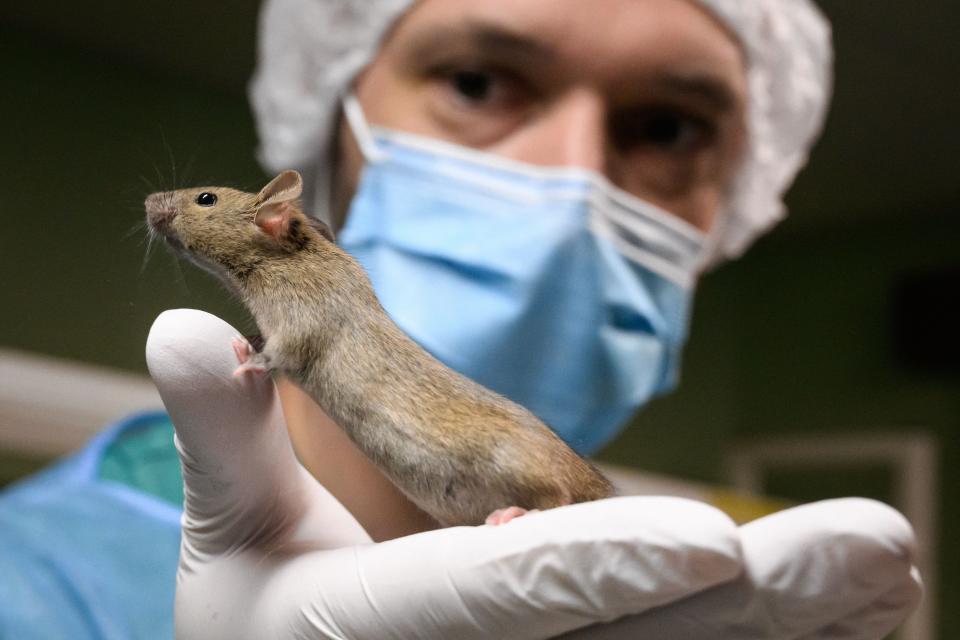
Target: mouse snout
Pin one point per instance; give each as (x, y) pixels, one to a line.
(160, 209)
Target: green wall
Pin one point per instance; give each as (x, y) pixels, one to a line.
(793, 338)
(85, 139)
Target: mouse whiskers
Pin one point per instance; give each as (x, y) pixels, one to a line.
(149, 184)
(170, 156)
(180, 280)
(138, 228)
(151, 237)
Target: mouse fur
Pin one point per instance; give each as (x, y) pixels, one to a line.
(457, 449)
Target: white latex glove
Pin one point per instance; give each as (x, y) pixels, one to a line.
(268, 553)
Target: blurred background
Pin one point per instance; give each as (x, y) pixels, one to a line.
(824, 363)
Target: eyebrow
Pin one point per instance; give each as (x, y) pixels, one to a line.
(482, 38)
(704, 87)
(487, 39)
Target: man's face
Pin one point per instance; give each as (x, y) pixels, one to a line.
(650, 93)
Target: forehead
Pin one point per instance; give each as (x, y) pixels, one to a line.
(606, 41)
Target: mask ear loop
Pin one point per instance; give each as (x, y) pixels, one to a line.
(712, 253)
(360, 129)
(323, 178)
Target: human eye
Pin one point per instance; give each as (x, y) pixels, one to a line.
(472, 86)
(479, 103)
(662, 129)
(478, 87)
(666, 150)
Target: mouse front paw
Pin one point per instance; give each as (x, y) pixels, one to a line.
(250, 361)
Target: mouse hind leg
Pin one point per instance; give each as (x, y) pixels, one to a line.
(503, 516)
(547, 496)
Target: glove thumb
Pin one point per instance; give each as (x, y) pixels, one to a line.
(243, 485)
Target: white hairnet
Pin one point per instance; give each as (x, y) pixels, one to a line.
(311, 49)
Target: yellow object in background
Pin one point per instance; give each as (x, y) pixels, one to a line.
(741, 507)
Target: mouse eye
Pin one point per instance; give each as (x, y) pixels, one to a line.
(207, 199)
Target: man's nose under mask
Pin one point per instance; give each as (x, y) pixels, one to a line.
(548, 285)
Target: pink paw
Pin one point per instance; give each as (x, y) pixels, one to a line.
(503, 516)
(250, 361)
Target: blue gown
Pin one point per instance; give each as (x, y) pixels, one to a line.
(84, 553)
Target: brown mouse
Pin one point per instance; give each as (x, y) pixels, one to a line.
(456, 449)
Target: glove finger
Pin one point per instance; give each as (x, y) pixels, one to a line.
(538, 576)
(848, 553)
(807, 569)
(877, 619)
(242, 482)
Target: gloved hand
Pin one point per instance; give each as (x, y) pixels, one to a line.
(269, 553)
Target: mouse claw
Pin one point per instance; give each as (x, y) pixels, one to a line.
(242, 349)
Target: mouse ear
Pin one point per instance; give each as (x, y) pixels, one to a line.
(273, 202)
(285, 187)
(322, 227)
(274, 220)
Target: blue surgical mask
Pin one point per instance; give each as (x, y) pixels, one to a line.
(548, 285)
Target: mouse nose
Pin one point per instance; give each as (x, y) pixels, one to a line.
(160, 209)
